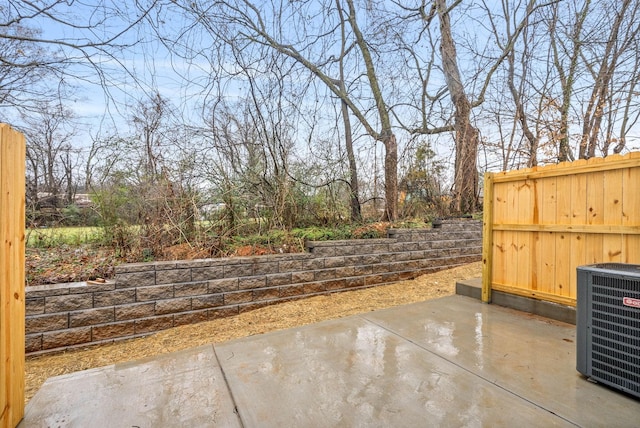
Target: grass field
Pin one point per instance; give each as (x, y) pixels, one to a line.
(49, 237)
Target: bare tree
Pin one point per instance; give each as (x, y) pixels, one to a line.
(20, 79)
(466, 135)
(517, 89)
(86, 46)
(621, 35)
(250, 27)
(354, 188)
(245, 148)
(150, 122)
(565, 43)
(465, 183)
(627, 105)
(51, 158)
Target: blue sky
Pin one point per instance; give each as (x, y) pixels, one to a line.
(152, 65)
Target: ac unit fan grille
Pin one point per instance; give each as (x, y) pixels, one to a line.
(615, 332)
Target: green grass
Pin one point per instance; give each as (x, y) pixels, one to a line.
(56, 236)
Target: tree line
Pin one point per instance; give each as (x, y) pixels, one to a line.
(314, 111)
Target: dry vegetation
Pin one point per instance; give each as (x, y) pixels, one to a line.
(276, 317)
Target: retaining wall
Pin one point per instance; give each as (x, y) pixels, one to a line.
(148, 297)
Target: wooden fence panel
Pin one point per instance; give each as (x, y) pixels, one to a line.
(545, 251)
(542, 223)
(630, 202)
(499, 250)
(525, 240)
(12, 292)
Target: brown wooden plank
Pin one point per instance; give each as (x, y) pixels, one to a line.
(578, 196)
(612, 245)
(547, 256)
(612, 248)
(545, 250)
(5, 308)
(500, 210)
(511, 258)
(578, 228)
(563, 265)
(630, 197)
(527, 214)
(563, 200)
(510, 215)
(594, 196)
(508, 240)
(12, 324)
(499, 265)
(487, 238)
(613, 196)
(631, 245)
(577, 167)
(524, 259)
(511, 238)
(539, 295)
(594, 248)
(577, 257)
(527, 208)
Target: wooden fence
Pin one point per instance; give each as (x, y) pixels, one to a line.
(541, 223)
(12, 291)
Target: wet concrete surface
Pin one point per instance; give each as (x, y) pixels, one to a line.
(182, 389)
(449, 362)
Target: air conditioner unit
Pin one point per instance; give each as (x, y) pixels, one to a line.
(608, 325)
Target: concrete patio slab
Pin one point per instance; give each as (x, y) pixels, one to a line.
(182, 389)
(352, 373)
(447, 362)
(531, 357)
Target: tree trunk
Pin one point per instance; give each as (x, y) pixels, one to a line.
(568, 76)
(391, 176)
(592, 119)
(465, 185)
(386, 135)
(354, 190)
(521, 117)
(356, 213)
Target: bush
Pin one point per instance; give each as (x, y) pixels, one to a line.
(321, 233)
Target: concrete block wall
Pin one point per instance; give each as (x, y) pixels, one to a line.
(148, 297)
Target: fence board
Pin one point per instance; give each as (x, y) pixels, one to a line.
(547, 221)
(546, 251)
(12, 293)
(488, 246)
(630, 202)
(612, 249)
(563, 214)
(631, 249)
(577, 193)
(613, 182)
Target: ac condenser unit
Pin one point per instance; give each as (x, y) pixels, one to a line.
(608, 325)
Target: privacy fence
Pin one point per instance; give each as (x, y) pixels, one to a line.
(541, 223)
(148, 297)
(12, 290)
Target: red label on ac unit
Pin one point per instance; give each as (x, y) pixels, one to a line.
(630, 301)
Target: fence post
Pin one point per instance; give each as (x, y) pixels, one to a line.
(487, 237)
(12, 287)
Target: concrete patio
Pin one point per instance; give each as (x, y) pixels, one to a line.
(449, 362)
